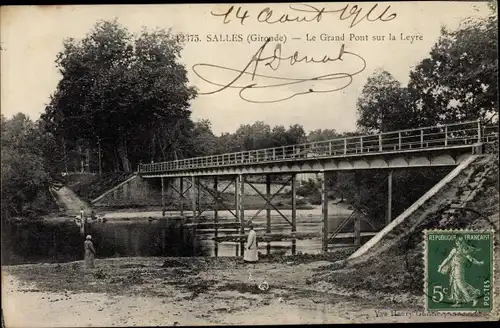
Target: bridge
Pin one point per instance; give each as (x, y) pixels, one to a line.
(422, 147)
(437, 146)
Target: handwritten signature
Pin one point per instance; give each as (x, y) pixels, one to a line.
(259, 81)
(306, 13)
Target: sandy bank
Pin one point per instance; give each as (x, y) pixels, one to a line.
(190, 291)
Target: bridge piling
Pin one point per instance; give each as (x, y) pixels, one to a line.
(324, 211)
(216, 216)
(294, 210)
(194, 204)
(237, 207)
(389, 198)
(193, 195)
(241, 209)
(357, 230)
(268, 211)
(163, 196)
(198, 197)
(181, 198)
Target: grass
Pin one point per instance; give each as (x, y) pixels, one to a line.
(149, 276)
(90, 186)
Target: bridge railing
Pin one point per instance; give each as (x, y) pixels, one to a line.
(466, 133)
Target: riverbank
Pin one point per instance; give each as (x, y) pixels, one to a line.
(194, 291)
(155, 212)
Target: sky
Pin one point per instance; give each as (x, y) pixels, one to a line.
(322, 94)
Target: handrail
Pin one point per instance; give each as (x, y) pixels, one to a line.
(464, 133)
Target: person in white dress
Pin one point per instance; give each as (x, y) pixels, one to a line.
(251, 255)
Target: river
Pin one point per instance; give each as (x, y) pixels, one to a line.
(122, 236)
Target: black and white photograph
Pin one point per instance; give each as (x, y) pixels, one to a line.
(249, 164)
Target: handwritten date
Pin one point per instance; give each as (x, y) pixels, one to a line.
(306, 13)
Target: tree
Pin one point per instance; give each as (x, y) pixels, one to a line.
(227, 143)
(119, 90)
(278, 136)
(322, 135)
(295, 135)
(25, 166)
(255, 136)
(204, 142)
(385, 105)
(458, 81)
(173, 139)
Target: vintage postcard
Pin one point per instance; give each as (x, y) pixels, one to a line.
(247, 164)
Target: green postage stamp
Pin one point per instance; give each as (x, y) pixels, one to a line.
(458, 270)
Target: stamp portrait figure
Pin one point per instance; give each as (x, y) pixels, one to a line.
(454, 266)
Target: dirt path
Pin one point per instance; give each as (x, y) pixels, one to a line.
(138, 291)
(70, 201)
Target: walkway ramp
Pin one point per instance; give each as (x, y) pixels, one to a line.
(111, 190)
(405, 223)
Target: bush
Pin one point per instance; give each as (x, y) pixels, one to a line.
(315, 198)
(307, 188)
(25, 173)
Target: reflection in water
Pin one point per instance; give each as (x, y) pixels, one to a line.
(29, 242)
(39, 241)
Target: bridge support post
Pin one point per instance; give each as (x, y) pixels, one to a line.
(216, 216)
(193, 195)
(237, 208)
(268, 211)
(181, 200)
(357, 230)
(389, 198)
(236, 198)
(198, 196)
(241, 210)
(324, 211)
(294, 210)
(194, 183)
(162, 196)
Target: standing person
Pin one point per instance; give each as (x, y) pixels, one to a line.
(82, 221)
(251, 255)
(89, 253)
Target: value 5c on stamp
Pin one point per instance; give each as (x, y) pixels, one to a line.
(458, 270)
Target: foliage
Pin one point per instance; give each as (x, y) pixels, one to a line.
(27, 167)
(119, 90)
(307, 188)
(204, 142)
(343, 186)
(384, 105)
(258, 136)
(459, 79)
(322, 135)
(457, 82)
